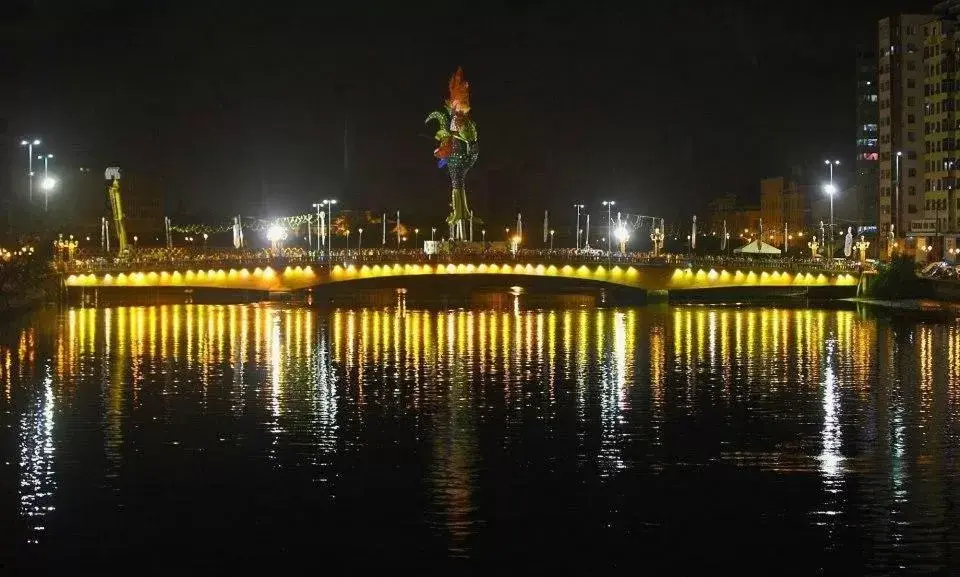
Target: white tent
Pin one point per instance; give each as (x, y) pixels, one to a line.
(754, 247)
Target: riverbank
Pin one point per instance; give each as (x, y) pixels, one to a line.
(911, 305)
(24, 285)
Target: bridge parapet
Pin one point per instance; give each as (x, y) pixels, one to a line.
(228, 260)
(655, 276)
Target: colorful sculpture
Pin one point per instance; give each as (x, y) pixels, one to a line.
(456, 151)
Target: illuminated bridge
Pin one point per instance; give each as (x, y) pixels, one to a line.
(287, 275)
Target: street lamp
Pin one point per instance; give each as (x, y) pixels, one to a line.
(329, 202)
(609, 204)
(897, 199)
(831, 191)
(433, 231)
(656, 238)
(348, 239)
(551, 238)
(30, 143)
(578, 207)
(46, 162)
(48, 184)
(318, 206)
(416, 237)
(359, 238)
(507, 233)
(205, 237)
(483, 234)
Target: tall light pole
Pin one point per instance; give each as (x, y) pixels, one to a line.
(48, 184)
(832, 191)
(578, 207)
(359, 238)
(896, 227)
(416, 237)
(551, 238)
(483, 233)
(433, 231)
(318, 206)
(329, 202)
(46, 163)
(30, 143)
(609, 204)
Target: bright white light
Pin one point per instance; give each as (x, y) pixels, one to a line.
(276, 233)
(48, 183)
(622, 233)
(830, 189)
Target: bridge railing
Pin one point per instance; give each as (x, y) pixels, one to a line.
(158, 260)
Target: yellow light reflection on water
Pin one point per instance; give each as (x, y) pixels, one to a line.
(771, 361)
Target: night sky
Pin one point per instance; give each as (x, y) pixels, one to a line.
(660, 108)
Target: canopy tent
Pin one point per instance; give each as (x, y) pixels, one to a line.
(754, 247)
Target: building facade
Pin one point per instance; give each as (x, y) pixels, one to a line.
(867, 160)
(901, 138)
(781, 202)
(934, 230)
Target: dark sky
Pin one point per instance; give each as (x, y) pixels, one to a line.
(661, 106)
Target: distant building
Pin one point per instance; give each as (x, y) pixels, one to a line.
(900, 121)
(142, 208)
(934, 230)
(781, 202)
(868, 150)
(721, 210)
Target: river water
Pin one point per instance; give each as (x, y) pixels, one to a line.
(501, 433)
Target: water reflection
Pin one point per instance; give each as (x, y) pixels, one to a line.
(576, 397)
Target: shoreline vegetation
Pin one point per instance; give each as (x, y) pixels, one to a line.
(24, 283)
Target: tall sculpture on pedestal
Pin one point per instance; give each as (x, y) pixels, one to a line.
(456, 151)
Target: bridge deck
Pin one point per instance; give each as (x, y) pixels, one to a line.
(284, 277)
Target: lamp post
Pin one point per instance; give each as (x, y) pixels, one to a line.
(506, 233)
(46, 163)
(831, 190)
(205, 237)
(359, 238)
(348, 239)
(319, 206)
(578, 207)
(433, 231)
(896, 199)
(48, 184)
(657, 239)
(30, 143)
(416, 237)
(551, 238)
(609, 204)
(329, 202)
(862, 245)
